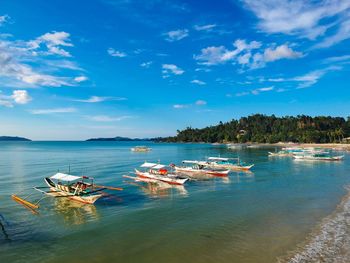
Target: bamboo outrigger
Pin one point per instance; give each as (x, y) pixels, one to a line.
(77, 188)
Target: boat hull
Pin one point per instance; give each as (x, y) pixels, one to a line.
(64, 191)
(198, 171)
(162, 178)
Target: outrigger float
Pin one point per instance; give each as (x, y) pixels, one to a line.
(198, 168)
(77, 188)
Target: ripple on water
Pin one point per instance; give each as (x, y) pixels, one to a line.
(329, 242)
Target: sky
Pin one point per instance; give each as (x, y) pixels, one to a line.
(72, 70)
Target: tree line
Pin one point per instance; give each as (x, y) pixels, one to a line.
(270, 129)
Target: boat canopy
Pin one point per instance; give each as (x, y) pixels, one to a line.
(192, 162)
(152, 165)
(65, 177)
(220, 159)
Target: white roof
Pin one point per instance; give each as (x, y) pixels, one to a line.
(153, 165)
(218, 158)
(189, 161)
(148, 165)
(65, 177)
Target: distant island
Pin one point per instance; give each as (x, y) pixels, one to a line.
(13, 138)
(119, 139)
(260, 128)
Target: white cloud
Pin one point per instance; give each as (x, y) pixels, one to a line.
(338, 59)
(52, 111)
(105, 118)
(309, 79)
(116, 53)
(171, 69)
(244, 55)
(176, 35)
(208, 27)
(258, 91)
(280, 52)
(343, 33)
(53, 41)
(27, 65)
(21, 96)
(220, 54)
(4, 19)
(201, 102)
(96, 99)
(80, 79)
(18, 97)
(146, 64)
(180, 106)
(241, 94)
(308, 19)
(198, 82)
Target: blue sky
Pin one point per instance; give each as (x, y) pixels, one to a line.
(103, 68)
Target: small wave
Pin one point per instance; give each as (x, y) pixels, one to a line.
(329, 242)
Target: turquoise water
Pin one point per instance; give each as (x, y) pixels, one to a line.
(247, 217)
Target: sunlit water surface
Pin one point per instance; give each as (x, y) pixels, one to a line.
(270, 215)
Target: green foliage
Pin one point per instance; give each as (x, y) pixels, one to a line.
(270, 129)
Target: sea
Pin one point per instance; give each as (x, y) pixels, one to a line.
(282, 211)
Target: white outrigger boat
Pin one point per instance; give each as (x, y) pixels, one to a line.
(198, 168)
(141, 149)
(227, 163)
(159, 172)
(77, 188)
(281, 153)
(318, 156)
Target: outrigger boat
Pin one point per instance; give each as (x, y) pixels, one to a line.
(141, 149)
(159, 172)
(198, 168)
(77, 188)
(281, 153)
(227, 163)
(318, 156)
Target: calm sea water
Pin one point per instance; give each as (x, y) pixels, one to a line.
(248, 217)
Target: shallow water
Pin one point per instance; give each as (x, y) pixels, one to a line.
(274, 213)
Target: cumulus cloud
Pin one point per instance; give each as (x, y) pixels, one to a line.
(198, 82)
(219, 55)
(52, 111)
(245, 54)
(17, 97)
(306, 19)
(21, 96)
(168, 69)
(176, 35)
(96, 99)
(115, 53)
(280, 52)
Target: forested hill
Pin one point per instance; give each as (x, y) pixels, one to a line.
(270, 129)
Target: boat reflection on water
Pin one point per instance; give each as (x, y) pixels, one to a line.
(3, 223)
(75, 213)
(158, 189)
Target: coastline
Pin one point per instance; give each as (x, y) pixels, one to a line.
(329, 241)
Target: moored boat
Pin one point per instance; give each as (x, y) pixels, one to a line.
(318, 156)
(141, 149)
(159, 172)
(227, 163)
(198, 168)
